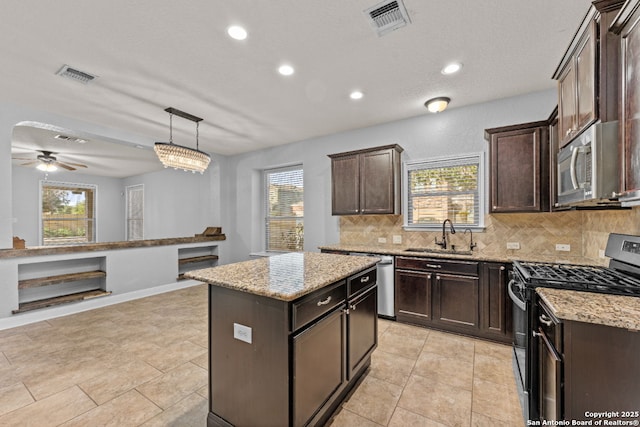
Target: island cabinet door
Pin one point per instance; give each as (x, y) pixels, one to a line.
(318, 365)
(362, 329)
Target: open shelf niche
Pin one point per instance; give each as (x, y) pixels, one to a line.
(45, 284)
(196, 258)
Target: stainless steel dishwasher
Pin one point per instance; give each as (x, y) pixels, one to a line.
(386, 285)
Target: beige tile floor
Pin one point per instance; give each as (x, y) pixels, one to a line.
(144, 363)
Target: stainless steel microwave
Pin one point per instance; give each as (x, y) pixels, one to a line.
(588, 171)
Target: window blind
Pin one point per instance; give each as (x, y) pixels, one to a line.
(444, 188)
(284, 209)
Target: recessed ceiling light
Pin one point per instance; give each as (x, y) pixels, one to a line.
(286, 70)
(452, 68)
(356, 94)
(237, 32)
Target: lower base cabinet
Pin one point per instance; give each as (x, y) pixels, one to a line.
(318, 365)
(467, 297)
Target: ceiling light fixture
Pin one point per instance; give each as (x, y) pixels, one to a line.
(452, 68)
(356, 94)
(47, 167)
(286, 70)
(177, 156)
(237, 32)
(437, 105)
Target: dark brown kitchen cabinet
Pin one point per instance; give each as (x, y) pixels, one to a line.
(588, 73)
(582, 366)
(440, 293)
(466, 297)
(315, 383)
(362, 325)
(627, 25)
(455, 301)
(366, 181)
(496, 314)
(519, 168)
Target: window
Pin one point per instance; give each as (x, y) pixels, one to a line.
(67, 213)
(445, 188)
(135, 212)
(284, 208)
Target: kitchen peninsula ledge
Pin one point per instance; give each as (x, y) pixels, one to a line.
(284, 277)
(588, 307)
(106, 246)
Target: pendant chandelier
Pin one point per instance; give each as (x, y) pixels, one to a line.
(177, 156)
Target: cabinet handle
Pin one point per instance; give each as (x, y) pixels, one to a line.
(364, 279)
(620, 194)
(438, 277)
(352, 307)
(568, 132)
(433, 265)
(324, 302)
(545, 320)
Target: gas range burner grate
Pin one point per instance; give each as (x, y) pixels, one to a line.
(577, 277)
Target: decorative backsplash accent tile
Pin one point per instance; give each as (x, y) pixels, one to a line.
(537, 233)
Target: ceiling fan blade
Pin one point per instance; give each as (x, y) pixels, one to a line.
(65, 166)
(21, 158)
(80, 165)
(31, 162)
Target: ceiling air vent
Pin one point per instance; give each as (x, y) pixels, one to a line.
(77, 75)
(388, 16)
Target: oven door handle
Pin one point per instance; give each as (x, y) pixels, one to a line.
(517, 301)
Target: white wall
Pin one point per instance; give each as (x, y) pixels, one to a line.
(454, 131)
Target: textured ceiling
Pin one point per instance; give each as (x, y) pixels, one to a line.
(151, 54)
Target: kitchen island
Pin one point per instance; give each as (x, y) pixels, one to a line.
(289, 336)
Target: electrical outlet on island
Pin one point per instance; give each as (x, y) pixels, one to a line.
(563, 247)
(382, 240)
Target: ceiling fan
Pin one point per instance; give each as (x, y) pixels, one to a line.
(49, 163)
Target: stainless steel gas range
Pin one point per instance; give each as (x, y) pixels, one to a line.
(621, 277)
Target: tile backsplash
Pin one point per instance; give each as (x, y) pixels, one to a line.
(586, 233)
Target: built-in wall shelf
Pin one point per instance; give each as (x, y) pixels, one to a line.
(47, 283)
(61, 278)
(196, 258)
(63, 299)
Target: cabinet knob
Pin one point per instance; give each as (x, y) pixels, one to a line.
(620, 194)
(502, 268)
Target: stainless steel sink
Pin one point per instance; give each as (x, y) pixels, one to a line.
(438, 251)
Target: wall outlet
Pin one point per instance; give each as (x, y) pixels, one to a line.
(513, 245)
(242, 333)
(397, 239)
(563, 247)
(382, 240)
(601, 253)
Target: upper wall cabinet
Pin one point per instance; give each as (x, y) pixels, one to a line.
(519, 168)
(366, 181)
(627, 25)
(588, 73)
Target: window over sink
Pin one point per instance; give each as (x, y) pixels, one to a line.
(445, 187)
(284, 209)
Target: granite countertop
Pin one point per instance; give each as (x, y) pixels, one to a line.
(94, 247)
(400, 250)
(284, 277)
(590, 307)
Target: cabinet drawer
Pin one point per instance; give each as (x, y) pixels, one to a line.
(361, 281)
(437, 264)
(316, 304)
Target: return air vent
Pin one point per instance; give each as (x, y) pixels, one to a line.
(388, 16)
(77, 75)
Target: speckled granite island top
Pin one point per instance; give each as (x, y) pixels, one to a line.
(589, 307)
(284, 277)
